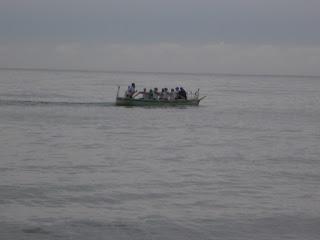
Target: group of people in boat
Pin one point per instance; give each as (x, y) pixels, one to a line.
(155, 94)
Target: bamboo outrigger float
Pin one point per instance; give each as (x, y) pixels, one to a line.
(127, 101)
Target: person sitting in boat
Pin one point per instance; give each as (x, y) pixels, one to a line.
(172, 95)
(150, 94)
(131, 90)
(164, 94)
(179, 94)
(156, 94)
(183, 93)
(161, 94)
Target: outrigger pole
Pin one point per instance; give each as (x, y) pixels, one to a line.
(118, 91)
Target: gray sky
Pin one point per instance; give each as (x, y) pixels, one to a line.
(234, 36)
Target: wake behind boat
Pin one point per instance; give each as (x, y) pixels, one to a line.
(155, 98)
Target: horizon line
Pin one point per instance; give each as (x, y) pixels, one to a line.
(161, 72)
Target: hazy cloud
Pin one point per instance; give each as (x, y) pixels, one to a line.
(167, 57)
(248, 21)
(274, 36)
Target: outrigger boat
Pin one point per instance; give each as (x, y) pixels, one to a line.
(193, 100)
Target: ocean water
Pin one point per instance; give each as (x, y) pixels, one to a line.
(245, 164)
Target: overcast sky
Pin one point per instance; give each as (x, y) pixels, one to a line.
(222, 36)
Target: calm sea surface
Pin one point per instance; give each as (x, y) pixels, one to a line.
(245, 164)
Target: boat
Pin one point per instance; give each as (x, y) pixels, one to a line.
(193, 100)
